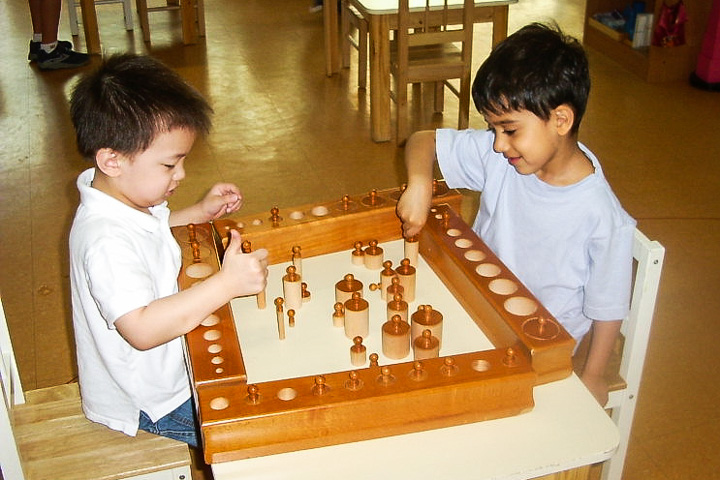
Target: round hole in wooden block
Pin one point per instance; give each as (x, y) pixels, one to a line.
(319, 211)
(210, 321)
(198, 270)
(219, 403)
(217, 360)
(463, 243)
(488, 270)
(215, 348)
(503, 286)
(219, 370)
(438, 216)
(453, 232)
(212, 335)
(297, 215)
(257, 222)
(480, 365)
(240, 225)
(520, 306)
(475, 255)
(287, 394)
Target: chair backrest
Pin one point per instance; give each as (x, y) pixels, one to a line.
(649, 255)
(431, 25)
(12, 393)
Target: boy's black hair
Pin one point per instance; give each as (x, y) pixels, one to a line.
(128, 101)
(538, 68)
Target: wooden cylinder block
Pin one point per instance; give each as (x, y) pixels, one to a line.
(396, 338)
(292, 290)
(386, 276)
(358, 352)
(406, 274)
(412, 249)
(397, 306)
(357, 316)
(373, 259)
(427, 318)
(426, 346)
(345, 288)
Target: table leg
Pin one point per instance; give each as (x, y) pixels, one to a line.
(90, 26)
(500, 24)
(380, 78)
(188, 14)
(330, 27)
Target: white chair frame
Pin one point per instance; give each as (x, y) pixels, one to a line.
(649, 255)
(72, 7)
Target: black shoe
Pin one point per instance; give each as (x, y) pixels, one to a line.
(35, 48)
(61, 57)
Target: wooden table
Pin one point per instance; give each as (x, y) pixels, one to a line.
(382, 18)
(499, 412)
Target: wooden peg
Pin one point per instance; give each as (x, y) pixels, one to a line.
(346, 287)
(280, 317)
(291, 317)
(373, 258)
(374, 357)
(397, 306)
(449, 368)
(418, 372)
(386, 377)
(305, 292)
(297, 259)
(386, 276)
(354, 382)
(320, 387)
(395, 288)
(253, 396)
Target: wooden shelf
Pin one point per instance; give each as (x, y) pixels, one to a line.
(654, 64)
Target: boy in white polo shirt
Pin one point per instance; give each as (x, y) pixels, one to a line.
(136, 120)
(546, 208)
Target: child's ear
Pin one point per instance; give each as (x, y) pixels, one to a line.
(108, 162)
(564, 116)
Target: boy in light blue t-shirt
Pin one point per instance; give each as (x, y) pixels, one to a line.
(546, 209)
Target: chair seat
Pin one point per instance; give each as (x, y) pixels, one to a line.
(56, 441)
(430, 62)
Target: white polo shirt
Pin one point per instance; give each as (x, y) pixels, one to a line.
(571, 245)
(120, 260)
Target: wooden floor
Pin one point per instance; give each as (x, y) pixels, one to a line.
(290, 135)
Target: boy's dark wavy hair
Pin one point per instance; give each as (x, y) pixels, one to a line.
(128, 101)
(538, 68)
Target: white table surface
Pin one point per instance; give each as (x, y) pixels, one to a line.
(566, 429)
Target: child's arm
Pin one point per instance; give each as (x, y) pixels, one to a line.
(170, 317)
(601, 345)
(414, 204)
(223, 198)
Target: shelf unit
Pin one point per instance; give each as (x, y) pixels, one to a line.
(654, 64)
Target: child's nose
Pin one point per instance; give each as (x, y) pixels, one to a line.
(499, 145)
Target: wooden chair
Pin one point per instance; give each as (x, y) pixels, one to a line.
(44, 435)
(431, 47)
(192, 13)
(624, 371)
(353, 22)
(72, 13)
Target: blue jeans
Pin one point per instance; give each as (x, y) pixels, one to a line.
(178, 424)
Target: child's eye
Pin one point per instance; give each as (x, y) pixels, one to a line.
(508, 132)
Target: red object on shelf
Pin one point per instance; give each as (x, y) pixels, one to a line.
(707, 73)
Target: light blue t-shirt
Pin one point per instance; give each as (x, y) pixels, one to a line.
(571, 245)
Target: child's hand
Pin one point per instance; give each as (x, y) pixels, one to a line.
(223, 198)
(413, 208)
(245, 273)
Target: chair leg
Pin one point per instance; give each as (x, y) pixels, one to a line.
(345, 29)
(402, 113)
(143, 15)
(127, 12)
(72, 13)
(464, 103)
(362, 54)
(439, 96)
